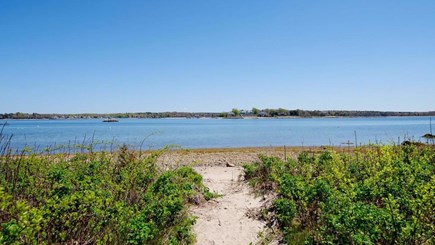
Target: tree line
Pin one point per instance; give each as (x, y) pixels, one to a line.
(234, 113)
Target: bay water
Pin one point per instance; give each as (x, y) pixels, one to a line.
(216, 133)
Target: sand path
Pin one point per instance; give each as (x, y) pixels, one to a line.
(223, 220)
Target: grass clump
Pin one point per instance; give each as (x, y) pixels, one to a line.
(96, 198)
(379, 195)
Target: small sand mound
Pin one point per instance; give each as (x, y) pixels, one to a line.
(224, 220)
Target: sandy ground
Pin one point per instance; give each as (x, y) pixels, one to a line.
(217, 157)
(235, 156)
(224, 220)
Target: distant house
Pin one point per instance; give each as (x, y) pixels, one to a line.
(262, 114)
(231, 114)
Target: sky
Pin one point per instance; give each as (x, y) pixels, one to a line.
(100, 56)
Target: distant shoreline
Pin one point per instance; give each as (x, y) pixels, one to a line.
(208, 118)
(233, 114)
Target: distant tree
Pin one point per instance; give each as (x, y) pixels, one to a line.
(236, 112)
(255, 111)
(282, 112)
(271, 112)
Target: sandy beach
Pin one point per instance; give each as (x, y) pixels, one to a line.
(223, 220)
(231, 156)
(226, 219)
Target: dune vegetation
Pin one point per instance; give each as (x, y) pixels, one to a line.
(372, 195)
(95, 198)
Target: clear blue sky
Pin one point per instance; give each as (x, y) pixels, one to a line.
(130, 56)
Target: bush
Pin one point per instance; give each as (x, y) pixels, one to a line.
(96, 197)
(381, 195)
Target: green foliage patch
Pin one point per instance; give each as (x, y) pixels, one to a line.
(375, 195)
(97, 198)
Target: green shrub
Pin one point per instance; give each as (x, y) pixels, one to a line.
(285, 210)
(19, 222)
(374, 195)
(96, 197)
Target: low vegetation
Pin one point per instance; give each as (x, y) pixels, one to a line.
(374, 195)
(95, 198)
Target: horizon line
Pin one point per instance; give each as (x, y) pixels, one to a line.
(248, 110)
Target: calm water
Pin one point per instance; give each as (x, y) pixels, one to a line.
(205, 133)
